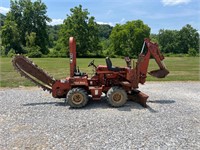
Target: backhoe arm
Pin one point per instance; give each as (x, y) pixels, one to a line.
(150, 49)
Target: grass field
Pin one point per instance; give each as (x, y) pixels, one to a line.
(181, 69)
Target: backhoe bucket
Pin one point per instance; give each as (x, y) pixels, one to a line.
(138, 97)
(161, 73)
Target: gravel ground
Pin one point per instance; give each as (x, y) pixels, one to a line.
(31, 119)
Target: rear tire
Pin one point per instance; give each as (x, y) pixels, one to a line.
(116, 96)
(77, 98)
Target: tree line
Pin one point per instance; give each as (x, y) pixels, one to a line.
(24, 30)
(184, 41)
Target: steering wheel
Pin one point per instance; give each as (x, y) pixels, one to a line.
(91, 64)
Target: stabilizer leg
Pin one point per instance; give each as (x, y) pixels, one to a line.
(138, 97)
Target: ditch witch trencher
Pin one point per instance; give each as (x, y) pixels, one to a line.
(118, 83)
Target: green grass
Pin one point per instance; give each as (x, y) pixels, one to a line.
(181, 69)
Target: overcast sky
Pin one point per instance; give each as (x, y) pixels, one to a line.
(157, 14)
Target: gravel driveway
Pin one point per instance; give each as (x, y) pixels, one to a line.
(31, 119)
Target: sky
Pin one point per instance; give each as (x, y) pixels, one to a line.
(157, 14)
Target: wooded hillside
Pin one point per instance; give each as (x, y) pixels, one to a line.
(25, 30)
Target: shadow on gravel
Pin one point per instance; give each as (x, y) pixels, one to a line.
(102, 104)
(158, 102)
(46, 103)
(132, 105)
(162, 101)
(151, 109)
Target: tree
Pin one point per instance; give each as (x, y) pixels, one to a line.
(31, 47)
(28, 17)
(127, 39)
(188, 39)
(192, 52)
(2, 19)
(154, 37)
(83, 28)
(168, 41)
(10, 37)
(104, 34)
(104, 31)
(53, 34)
(183, 41)
(94, 47)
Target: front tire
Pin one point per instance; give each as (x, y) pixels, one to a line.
(77, 98)
(116, 96)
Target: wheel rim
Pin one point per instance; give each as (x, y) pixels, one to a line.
(77, 98)
(117, 97)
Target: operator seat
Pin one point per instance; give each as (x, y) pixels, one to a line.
(110, 67)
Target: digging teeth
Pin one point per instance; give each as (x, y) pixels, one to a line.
(19, 59)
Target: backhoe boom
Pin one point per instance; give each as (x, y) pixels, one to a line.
(150, 49)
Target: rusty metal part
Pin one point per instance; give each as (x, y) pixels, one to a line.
(119, 83)
(138, 97)
(31, 71)
(72, 54)
(160, 73)
(150, 49)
